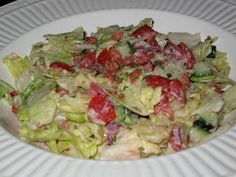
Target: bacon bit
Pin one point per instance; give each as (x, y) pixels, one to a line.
(186, 80)
(118, 35)
(134, 75)
(61, 91)
(64, 125)
(91, 40)
(14, 108)
(216, 88)
(13, 93)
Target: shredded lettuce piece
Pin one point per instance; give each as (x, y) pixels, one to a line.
(221, 63)
(16, 64)
(203, 49)
(39, 114)
(41, 135)
(5, 88)
(58, 48)
(190, 40)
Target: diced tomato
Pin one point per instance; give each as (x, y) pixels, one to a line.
(163, 108)
(91, 40)
(134, 75)
(158, 81)
(216, 88)
(61, 91)
(152, 41)
(87, 60)
(126, 61)
(13, 93)
(186, 80)
(14, 108)
(189, 54)
(173, 51)
(112, 66)
(177, 90)
(180, 52)
(101, 109)
(140, 58)
(95, 89)
(176, 138)
(57, 65)
(103, 57)
(118, 35)
(114, 54)
(145, 32)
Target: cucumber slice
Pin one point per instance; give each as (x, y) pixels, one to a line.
(210, 118)
(202, 124)
(196, 134)
(195, 78)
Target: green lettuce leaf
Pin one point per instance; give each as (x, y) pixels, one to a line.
(17, 65)
(221, 63)
(58, 48)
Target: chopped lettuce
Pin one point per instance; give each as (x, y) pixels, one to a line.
(58, 48)
(202, 50)
(190, 40)
(5, 88)
(221, 63)
(17, 65)
(47, 134)
(39, 114)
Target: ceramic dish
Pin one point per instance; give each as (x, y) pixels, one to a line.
(24, 22)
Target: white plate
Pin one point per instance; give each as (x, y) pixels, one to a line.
(24, 22)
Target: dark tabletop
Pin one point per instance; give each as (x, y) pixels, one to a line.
(4, 2)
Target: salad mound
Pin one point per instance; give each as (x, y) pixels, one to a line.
(120, 93)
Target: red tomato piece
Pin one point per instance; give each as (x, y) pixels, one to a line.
(103, 57)
(163, 108)
(91, 40)
(152, 41)
(173, 51)
(101, 109)
(118, 35)
(14, 108)
(177, 90)
(95, 89)
(159, 81)
(57, 65)
(216, 88)
(13, 93)
(189, 54)
(114, 54)
(144, 31)
(134, 75)
(186, 80)
(140, 58)
(176, 138)
(61, 91)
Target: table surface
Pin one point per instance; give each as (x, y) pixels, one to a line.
(4, 2)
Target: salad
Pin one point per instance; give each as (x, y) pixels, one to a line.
(120, 93)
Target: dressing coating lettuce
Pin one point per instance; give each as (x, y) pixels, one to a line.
(16, 64)
(58, 47)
